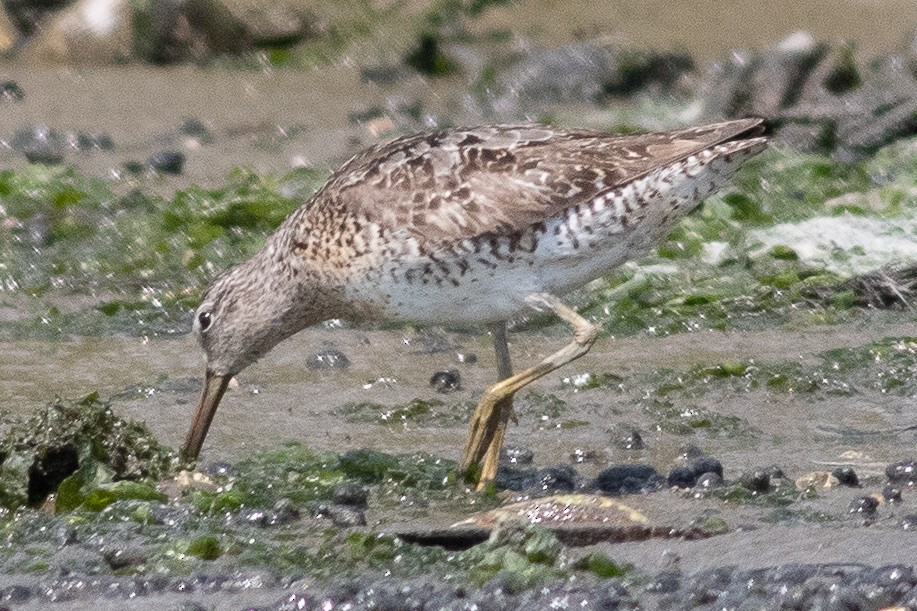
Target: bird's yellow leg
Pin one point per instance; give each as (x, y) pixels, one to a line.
(488, 424)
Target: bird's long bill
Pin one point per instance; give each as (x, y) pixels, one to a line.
(214, 387)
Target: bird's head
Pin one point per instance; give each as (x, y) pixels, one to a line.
(243, 314)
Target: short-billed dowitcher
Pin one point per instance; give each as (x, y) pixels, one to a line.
(464, 226)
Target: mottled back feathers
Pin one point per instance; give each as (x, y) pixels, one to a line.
(453, 185)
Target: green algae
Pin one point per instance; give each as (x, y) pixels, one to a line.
(205, 547)
(887, 366)
(519, 553)
(82, 439)
(301, 476)
(148, 257)
(417, 412)
(602, 566)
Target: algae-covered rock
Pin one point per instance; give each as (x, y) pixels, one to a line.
(85, 438)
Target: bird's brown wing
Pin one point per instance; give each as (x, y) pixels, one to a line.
(457, 184)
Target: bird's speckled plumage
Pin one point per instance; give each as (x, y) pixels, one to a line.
(462, 225)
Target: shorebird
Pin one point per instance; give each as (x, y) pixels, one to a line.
(464, 226)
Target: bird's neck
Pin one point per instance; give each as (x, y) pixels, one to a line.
(303, 292)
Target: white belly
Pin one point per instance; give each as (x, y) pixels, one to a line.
(488, 278)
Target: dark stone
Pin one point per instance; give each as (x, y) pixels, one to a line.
(82, 141)
(682, 477)
(516, 455)
(65, 535)
(705, 464)
(627, 479)
(16, 594)
(10, 91)
(466, 358)
(40, 144)
(894, 576)
(904, 472)
(431, 342)
(909, 522)
(664, 583)
(121, 557)
(846, 476)
(196, 129)
(892, 493)
(775, 473)
(550, 480)
(133, 167)
(865, 506)
(756, 481)
(709, 481)
(349, 493)
(446, 381)
(220, 469)
(509, 478)
(553, 479)
(707, 587)
(344, 516)
(329, 358)
(167, 162)
(104, 142)
(283, 512)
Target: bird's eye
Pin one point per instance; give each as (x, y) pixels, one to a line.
(204, 318)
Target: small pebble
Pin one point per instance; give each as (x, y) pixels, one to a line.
(124, 557)
(865, 506)
(553, 479)
(846, 476)
(330, 358)
(344, 516)
(904, 472)
(349, 493)
(446, 381)
(167, 162)
(709, 481)
(220, 469)
(892, 493)
(196, 129)
(133, 167)
(16, 594)
(10, 91)
(909, 522)
(466, 358)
